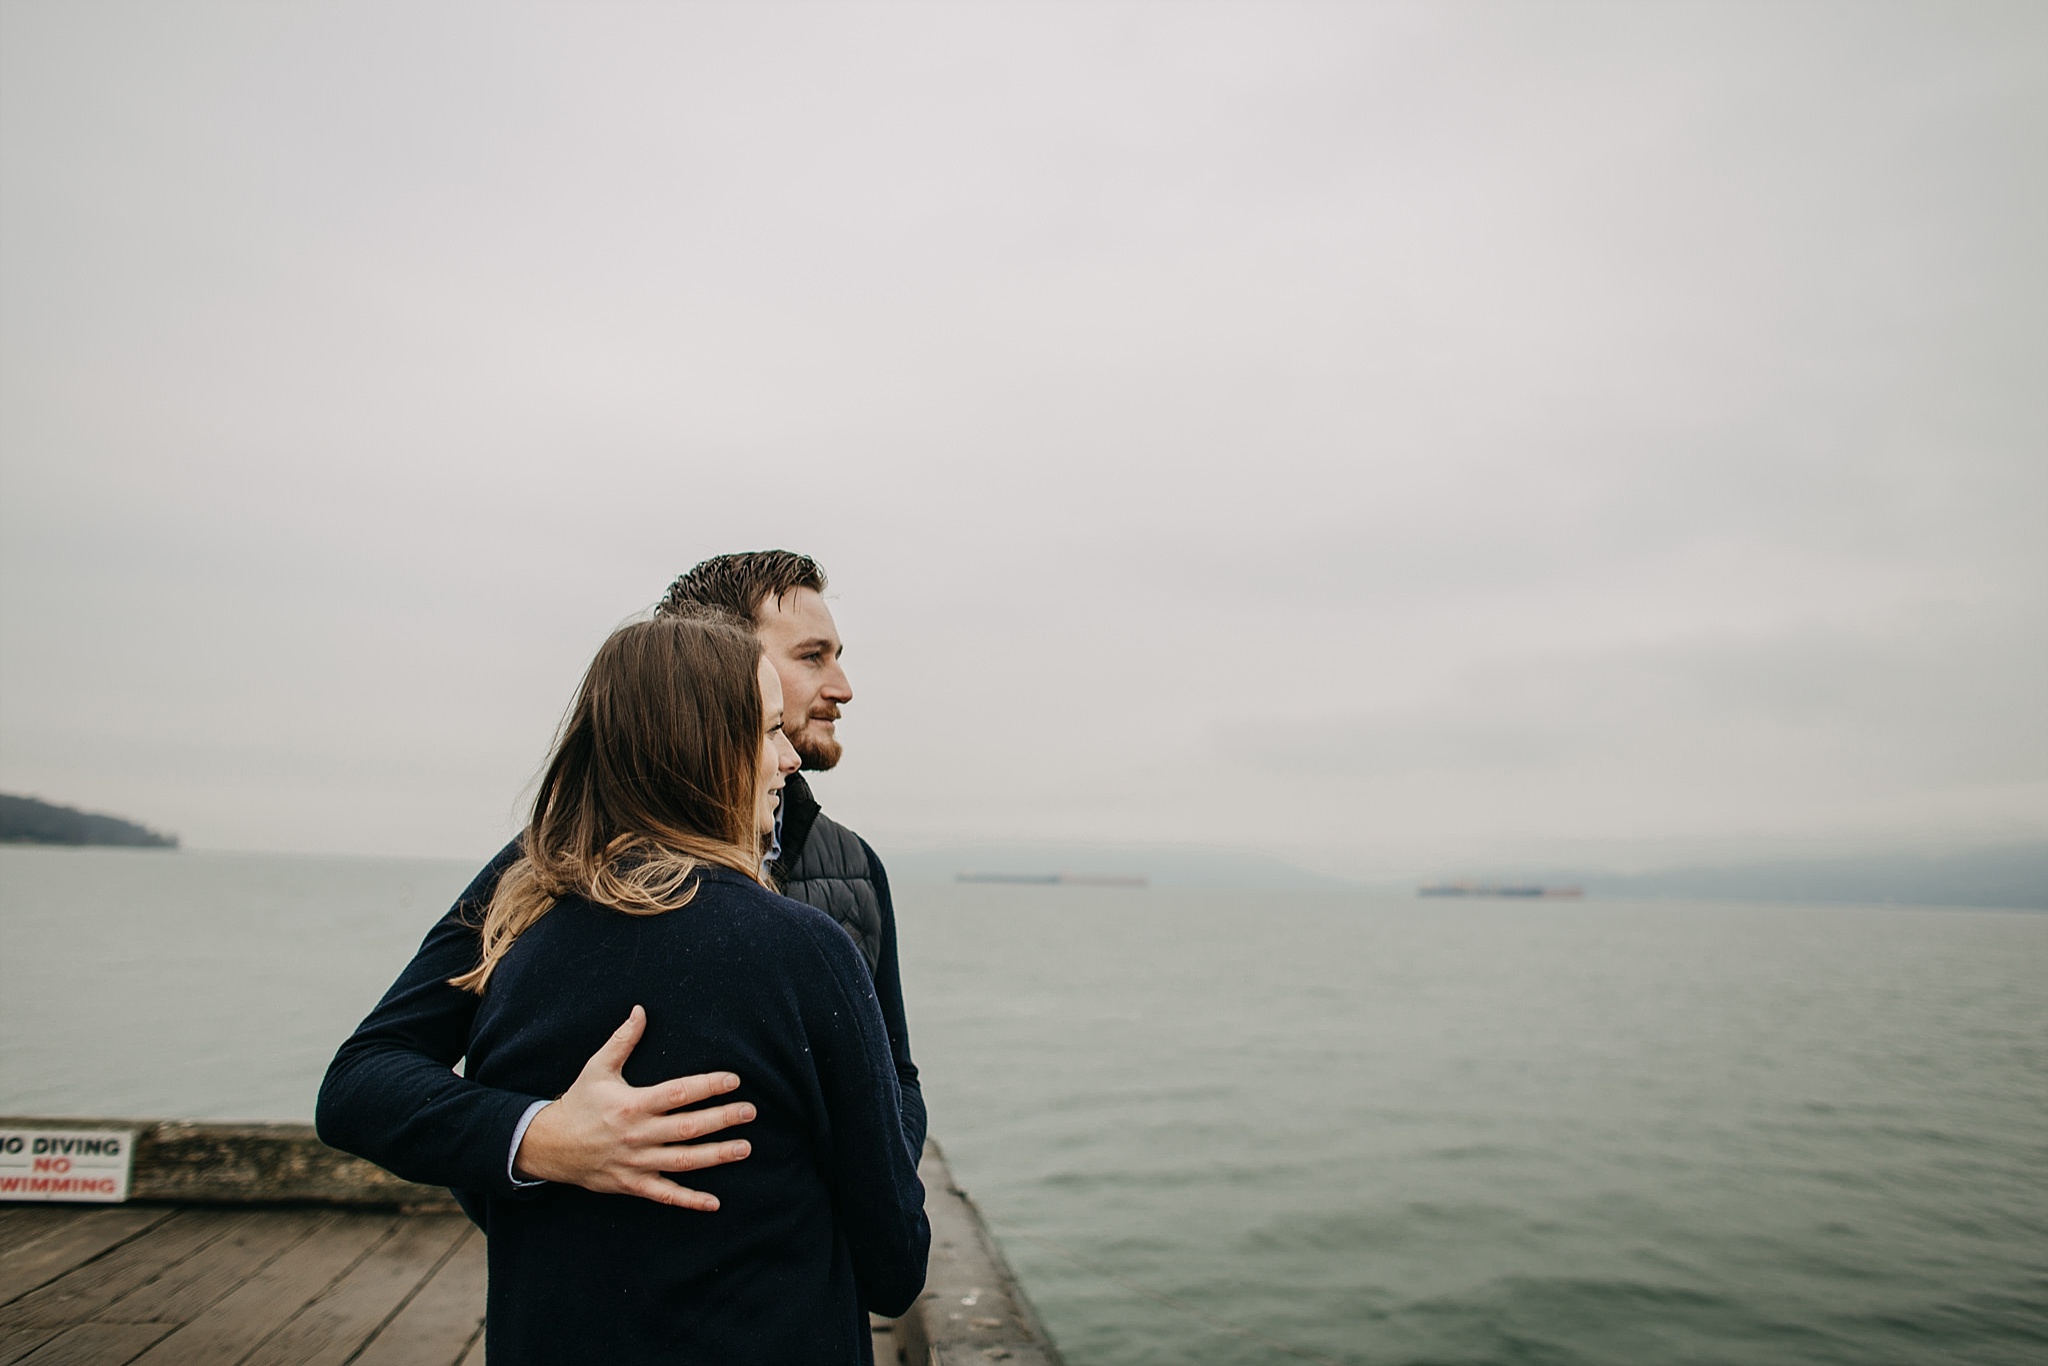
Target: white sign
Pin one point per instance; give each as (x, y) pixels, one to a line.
(65, 1164)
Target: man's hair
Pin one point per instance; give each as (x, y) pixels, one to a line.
(740, 583)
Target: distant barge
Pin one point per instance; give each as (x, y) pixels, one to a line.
(1496, 889)
(1057, 879)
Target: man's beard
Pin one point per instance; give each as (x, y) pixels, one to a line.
(817, 750)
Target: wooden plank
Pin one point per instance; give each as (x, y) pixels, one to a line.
(330, 1330)
(16, 1343)
(82, 1293)
(248, 1240)
(71, 1243)
(259, 1306)
(440, 1324)
(475, 1355)
(97, 1344)
(24, 1223)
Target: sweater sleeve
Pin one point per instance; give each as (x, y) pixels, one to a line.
(391, 1096)
(877, 1198)
(889, 995)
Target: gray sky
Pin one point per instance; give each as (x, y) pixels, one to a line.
(1391, 435)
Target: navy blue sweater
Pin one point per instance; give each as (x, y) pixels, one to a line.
(390, 1095)
(824, 1221)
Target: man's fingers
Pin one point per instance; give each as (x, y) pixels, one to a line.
(697, 1156)
(663, 1192)
(697, 1123)
(674, 1095)
(611, 1058)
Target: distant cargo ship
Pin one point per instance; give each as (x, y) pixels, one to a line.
(1495, 889)
(1057, 879)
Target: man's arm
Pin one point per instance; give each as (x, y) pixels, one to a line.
(889, 995)
(876, 1194)
(390, 1094)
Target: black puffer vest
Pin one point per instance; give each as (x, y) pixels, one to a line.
(824, 865)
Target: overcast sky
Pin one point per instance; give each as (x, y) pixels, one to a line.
(1397, 436)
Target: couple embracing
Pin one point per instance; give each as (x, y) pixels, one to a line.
(678, 924)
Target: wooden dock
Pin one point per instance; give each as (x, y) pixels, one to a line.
(255, 1245)
(163, 1284)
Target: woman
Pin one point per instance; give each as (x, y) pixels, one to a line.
(639, 884)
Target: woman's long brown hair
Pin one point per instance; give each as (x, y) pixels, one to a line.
(654, 774)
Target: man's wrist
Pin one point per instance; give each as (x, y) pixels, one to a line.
(518, 1137)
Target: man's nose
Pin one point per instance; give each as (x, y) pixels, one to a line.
(838, 688)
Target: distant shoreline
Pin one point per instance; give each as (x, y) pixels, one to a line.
(30, 820)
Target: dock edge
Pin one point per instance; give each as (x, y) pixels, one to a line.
(973, 1308)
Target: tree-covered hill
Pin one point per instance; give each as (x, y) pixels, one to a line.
(25, 820)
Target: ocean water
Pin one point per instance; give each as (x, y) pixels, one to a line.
(148, 984)
(1229, 1127)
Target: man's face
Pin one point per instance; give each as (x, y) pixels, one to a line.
(800, 640)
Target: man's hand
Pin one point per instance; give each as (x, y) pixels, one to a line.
(607, 1136)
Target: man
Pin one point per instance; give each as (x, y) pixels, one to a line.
(390, 1095)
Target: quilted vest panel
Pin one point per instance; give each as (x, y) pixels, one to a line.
(832, 873)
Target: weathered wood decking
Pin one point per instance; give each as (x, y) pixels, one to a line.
(162, 1284)
(338, 1264)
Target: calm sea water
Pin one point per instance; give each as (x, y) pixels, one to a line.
(1369, 1130)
